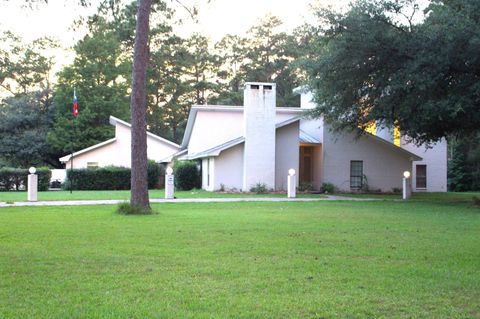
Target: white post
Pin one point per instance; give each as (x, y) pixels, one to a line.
(32, 186)
(406, 192)
(291, 184)
(169, 184)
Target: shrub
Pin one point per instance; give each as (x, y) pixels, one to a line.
(305, 187)
(108, 178)
(15, 178)
(328, 188)
(396, 190)
(44, 176)
(11, 178)
(155, 174)
(187, 175)
(476, 201)
(259, 188)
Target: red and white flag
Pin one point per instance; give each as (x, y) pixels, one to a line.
(75, 104)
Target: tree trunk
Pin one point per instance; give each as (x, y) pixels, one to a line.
(139, 184)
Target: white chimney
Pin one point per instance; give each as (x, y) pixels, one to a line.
(259, 114)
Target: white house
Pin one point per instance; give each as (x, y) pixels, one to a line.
(258, 143)
(116, 151)
(240, 146)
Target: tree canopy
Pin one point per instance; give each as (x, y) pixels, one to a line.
(391, 62)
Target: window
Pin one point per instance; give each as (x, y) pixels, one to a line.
(356, 174)
(421, 177)
(92, 164)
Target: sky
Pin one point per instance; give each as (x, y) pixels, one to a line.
(216, 18)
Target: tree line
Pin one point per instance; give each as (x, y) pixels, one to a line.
(390, 61)
(181, 72)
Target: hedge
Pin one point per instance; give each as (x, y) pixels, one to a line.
(187, 175)
(109, 178)
(14, 178)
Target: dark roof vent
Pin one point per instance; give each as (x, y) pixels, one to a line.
(255, 87)
(267, 87)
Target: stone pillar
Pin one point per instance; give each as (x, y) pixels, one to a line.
(406, 189)
(32, 186)
(291, 184)
(169, 184)
(259, 115)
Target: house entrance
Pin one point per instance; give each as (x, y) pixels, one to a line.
(306, 164)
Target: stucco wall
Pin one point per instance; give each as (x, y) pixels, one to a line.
(286, 154)
(229, 169)
(104, 156)
(382, 165)
(212, 128)
(118, 152)
(156, 149)
(436, 160)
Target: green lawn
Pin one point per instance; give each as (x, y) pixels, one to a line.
(446, 198)
(154, 193)
(159, 193)
(380, 259)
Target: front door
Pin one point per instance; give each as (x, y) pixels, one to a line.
(306, 164)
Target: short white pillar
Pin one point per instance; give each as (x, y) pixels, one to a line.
(32, 186)
(169, 184)
(406, 191)
(291, 184)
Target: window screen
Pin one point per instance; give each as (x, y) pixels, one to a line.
(356, 174)
(421, 176)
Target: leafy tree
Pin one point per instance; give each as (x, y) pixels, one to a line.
(25, 120)
(100, 74)
(232, 50)
(265, 55)
(181, 73)
(202, 68)
(464, 167)
(25, 111)
(25, 68)
(376, 62)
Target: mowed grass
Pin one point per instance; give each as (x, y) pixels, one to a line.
(450, 197)
(21, 196)
(242, 260)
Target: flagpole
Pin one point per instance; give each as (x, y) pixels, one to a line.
(71, 141)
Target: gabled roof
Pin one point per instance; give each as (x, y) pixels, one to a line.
(414, 157)
(113, 120)
(308, 139)
(66, 158)
(224, 108)
(170, 158)
(215, 151)
(287, 122)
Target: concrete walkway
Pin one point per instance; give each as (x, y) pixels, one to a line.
(184, 200)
